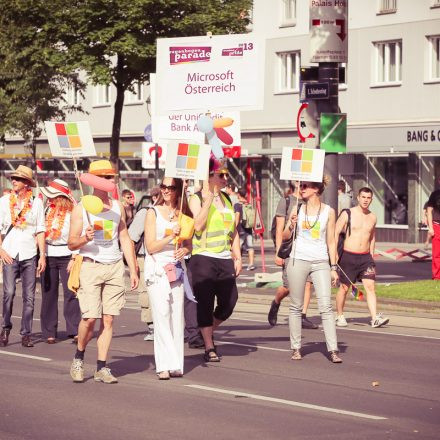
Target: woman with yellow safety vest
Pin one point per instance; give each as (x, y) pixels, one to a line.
(216, 259)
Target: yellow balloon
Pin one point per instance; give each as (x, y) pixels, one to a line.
(92, 204)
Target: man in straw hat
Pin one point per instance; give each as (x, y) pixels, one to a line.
(23, 227)
(101, 293)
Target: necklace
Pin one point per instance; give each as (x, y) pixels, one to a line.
(306, 220)
(55, 221)
(18, 218)
(171, 214)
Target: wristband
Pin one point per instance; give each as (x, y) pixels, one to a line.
(334, 267)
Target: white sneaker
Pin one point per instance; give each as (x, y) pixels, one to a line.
(340, 321)
(150, 334)
(379, 321)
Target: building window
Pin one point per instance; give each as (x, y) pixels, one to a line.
(390, 191)
(137, 96)
(435, 4)
(102, 94)
(434, 57)
(288, 12)
(73, 95)
(288, 68)
(388, 63)
(387, 6)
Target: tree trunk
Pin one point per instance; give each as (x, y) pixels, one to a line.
(117, 117)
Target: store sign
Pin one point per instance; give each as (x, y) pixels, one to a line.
(149, 151)
(423, 135)
(202, 73)
(328, 31)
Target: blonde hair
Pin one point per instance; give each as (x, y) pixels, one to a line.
(63, 202)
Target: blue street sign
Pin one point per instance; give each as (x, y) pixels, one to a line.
(313, 90)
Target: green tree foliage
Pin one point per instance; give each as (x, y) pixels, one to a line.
(33, 73)
(114, 41)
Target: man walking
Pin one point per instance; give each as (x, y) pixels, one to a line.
(433, 220)
(356, 262)
(128, 204)
(23, 226)
(101, 293)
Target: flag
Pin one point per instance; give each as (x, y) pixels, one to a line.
(357, 293)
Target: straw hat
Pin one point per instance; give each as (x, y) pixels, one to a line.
(58, 188)
(24, 172)
(102, 168)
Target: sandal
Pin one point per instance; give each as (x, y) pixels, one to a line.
(335, 358)
(51, 340)
(296, 355)
(211, 355)
(163, 375)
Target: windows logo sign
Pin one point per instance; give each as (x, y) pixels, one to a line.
(302, 161)
(187, 156)
(68, 135)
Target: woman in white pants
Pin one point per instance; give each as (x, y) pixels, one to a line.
(166, 297)
(314, 255)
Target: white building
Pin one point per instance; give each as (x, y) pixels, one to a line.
(391, 97)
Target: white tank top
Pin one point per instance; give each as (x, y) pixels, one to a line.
(311, 238)
(104, 248)
(163, 228)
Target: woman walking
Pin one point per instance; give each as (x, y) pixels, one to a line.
(164, 277)
(216, 260)
(59, 262)
(315, 246)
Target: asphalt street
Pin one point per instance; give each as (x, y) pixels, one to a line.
(387, 387)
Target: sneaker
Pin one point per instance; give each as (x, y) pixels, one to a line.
(77, 370)
(251, 267)
(340, 321)
(273, 313)
(150, 334)
(105, 375)
(306, 323)
(334, 357)
(379, 321)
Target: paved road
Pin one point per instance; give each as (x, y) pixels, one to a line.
(256, 392)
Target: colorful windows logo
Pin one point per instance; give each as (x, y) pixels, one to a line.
(312, 232)
(302, 161)
(103, 229)
(187, 156)
(68, 135)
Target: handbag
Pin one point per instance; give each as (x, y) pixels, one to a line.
(171, 272)
(286, 246)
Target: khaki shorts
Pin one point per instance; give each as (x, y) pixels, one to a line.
(102, 289)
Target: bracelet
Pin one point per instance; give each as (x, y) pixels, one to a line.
(334, 267)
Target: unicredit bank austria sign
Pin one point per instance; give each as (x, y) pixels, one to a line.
(409, 139)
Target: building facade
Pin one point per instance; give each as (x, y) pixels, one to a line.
(391, 96)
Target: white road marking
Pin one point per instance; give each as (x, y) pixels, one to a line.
(19, 317)
(252, 346)
(288, 402)
(37, 358)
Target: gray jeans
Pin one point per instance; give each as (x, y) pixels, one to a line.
(26, 270)
(297, 273)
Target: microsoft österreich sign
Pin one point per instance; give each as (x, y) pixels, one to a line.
(210, 72)
(328, 31)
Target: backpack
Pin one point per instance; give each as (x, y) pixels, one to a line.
(248, 218)
(343, 235)
(273, 229)
(137, 246)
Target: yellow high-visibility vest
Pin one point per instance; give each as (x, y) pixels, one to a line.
(218, 232)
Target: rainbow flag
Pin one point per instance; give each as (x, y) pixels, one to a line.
(356, 293)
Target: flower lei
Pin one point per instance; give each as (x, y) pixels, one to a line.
(58, 214)
(18, 218)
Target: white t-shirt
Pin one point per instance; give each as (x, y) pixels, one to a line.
(311, 238)
(58, 247)
(21, 243)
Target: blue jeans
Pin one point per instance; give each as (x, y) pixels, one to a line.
(27, 271)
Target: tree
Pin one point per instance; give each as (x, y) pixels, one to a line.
(114, 41)
(33, 72)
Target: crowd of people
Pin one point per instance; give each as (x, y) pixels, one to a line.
(186, 283)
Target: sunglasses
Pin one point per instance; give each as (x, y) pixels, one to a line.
(19, 179)
(305, 186)
(168, 187)
(222, 175)
(108, 177)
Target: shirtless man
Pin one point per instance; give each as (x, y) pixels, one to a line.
(357, 260)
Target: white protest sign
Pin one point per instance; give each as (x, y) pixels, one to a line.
(187, 160)
(70, 139)
(303, 164)
(328, 31)
(222, 71)
(149, 155)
